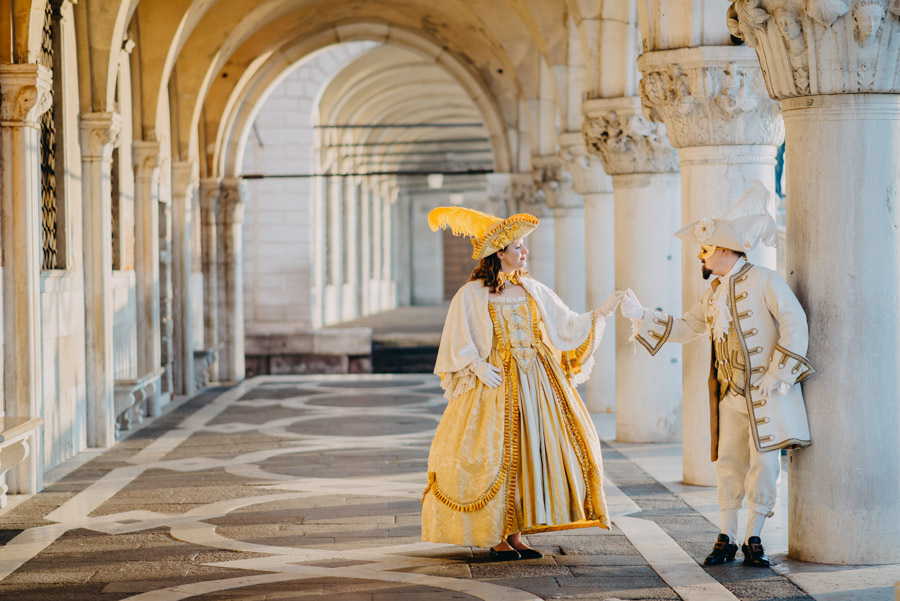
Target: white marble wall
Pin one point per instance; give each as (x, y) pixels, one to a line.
(278, 254)
(62, 332)
(124, 304)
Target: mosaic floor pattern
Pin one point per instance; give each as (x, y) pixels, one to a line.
(299, 487)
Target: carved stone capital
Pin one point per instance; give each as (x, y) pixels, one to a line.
(210, 191)
(184, 178)
(821, 47)
(99, 135)
(586, 169)
(146, 156)
(26, 91)
(508, 191)
(233, 199)
(710, 96)
(616, 130)
(549, 180)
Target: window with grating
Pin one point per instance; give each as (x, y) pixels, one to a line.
(115, 210)
(49, 212)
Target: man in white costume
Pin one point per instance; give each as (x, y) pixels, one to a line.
(759, 341)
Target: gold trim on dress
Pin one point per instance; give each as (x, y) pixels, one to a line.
(576, 438)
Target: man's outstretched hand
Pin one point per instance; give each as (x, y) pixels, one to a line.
(631, 306)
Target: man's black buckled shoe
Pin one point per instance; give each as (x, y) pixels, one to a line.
(754, 554)
(723, 552)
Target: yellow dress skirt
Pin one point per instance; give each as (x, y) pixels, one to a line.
(522, 457)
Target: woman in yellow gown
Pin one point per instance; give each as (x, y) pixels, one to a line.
(515, 451)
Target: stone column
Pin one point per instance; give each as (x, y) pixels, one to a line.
(210, 189)
(835, 72)
(350, 266)
(99, 135)
(184, 184)
(714, 104)
(25, 96)
(231, 286)
(546, 176)
(595, 187)
(511, 193)
(166, 300)
(569, 251)
(644, 170)
(146, 261)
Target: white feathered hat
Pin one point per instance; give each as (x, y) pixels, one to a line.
(741, 227)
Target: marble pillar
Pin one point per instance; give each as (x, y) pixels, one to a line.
(166, 299)
(835, 71)
(184, 185)
(26, 95)
(595, 186)
(713, 102)
(146, 261)
(210, 190)
(542, 245)
(99, 135)
(646, 186)
(231, 285)
(511, 193)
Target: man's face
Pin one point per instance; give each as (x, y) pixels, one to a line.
(716, 261)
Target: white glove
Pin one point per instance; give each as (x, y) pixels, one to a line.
(487, 373)
(631, 306)
(609, 307)
(768, 384)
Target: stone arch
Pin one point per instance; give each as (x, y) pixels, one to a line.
(242, 109)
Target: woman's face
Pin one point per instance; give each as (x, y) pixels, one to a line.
(513, 256)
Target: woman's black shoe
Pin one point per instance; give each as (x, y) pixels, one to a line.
(530, 553)
(754, 554)
(723, 552)
(505, 555)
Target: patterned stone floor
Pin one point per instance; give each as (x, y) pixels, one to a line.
(290, 488)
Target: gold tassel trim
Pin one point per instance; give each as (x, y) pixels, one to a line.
(573, 360)
(510, 459)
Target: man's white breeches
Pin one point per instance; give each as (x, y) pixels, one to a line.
(741, 470)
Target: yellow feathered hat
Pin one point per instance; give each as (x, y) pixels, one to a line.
(488, 233)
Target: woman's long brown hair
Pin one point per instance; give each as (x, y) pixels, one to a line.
(487, 270)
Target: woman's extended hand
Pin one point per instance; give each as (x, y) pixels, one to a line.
(609, 307)
(487, 373)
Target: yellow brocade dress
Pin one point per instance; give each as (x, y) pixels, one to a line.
(520, 457)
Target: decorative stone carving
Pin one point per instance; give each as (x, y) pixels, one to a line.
(710, 96)
(585, 169)
(616, 130)
(26, 94)
(99, 135)
(869, 17)
(821, 47)
(146, 158)
(233, 200)
(549, 182)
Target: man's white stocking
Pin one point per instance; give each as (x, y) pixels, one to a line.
(730, 523)
(755, 521)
